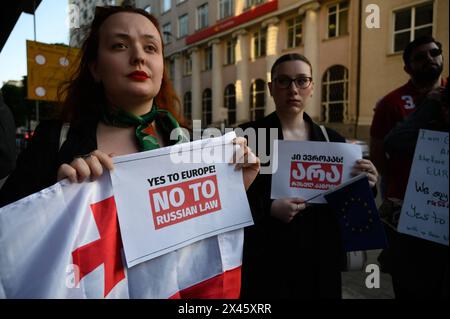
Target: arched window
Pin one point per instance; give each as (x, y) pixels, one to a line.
(335, 94)
(257, 99)
(187, 105)
(207, 107)
(230, 103)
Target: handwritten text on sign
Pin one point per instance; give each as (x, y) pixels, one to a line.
(425, 209)
(176, 203)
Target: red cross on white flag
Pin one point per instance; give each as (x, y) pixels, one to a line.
(65, 225)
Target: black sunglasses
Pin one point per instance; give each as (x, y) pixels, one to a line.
(422, 56)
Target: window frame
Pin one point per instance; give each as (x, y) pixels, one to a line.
(227, 97)
(187, 64)
(412, 27)
(180, 24)
(257, 39)
(253, 98)
(221, 6)
(206, 102)
(337, 13)
(187, 106)
(252, 3)
(207, 58)
(163, 7)
(167, 34)
(200, 16)
(294, 30)
(325, 105)
(230, 51)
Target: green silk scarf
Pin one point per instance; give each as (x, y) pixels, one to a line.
(145, 133)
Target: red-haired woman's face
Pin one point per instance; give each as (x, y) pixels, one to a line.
(130, 61)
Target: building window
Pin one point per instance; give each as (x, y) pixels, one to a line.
(251, 3)
(167, 33)
(338, 19)
(226, 8)
(259, 43)
(182, 26)
(187, 65)
(411, 23)
(230, 52)
(207, 107)
(207, 58)
(166, 5)
(294, 29)
(187, 105)
(334, 94)
(230, 103)
(180, 1)
(257, 99)
(171, 65)
(202, 16)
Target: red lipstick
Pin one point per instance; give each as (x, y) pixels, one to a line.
(138, 75)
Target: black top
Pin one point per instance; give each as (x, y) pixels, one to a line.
(7, 140)
(300, 259)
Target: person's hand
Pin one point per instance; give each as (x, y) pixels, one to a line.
(90, 165)
(246, 160)
(367, 167)
(285, 209)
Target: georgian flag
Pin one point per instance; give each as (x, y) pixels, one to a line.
(64, 242)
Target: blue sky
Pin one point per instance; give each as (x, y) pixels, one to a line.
(51, 27)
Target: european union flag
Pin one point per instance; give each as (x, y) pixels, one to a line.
(361, 227)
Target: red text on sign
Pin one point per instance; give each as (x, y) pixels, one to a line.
(321, 176)
(176, 203)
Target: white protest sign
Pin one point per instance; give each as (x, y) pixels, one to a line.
(308, 169)
(425, 208)
(171, 197)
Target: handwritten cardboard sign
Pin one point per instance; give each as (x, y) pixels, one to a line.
(425, 209)
(167, 200)
(308, 169)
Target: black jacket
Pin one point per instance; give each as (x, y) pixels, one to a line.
(300, 259)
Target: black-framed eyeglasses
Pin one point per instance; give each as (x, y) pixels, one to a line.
(422, 56)
(301, 82)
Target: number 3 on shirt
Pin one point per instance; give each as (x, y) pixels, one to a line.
(409, 102)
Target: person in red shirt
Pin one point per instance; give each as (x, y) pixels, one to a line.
(423, 61)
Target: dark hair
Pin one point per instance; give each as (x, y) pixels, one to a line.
(415, 44)
(84, 97)
(289, 57)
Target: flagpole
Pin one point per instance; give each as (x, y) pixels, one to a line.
(34, 28)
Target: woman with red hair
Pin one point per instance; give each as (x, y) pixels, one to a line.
(119, 101)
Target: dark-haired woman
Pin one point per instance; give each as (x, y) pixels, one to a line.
(119, 101)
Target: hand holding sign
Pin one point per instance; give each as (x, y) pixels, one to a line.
(247, 160)
(164, 204)
(308, 169)
(286, 209)
(367, 167)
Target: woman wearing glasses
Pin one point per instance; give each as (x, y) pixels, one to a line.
(120, 101)
(294, 249)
